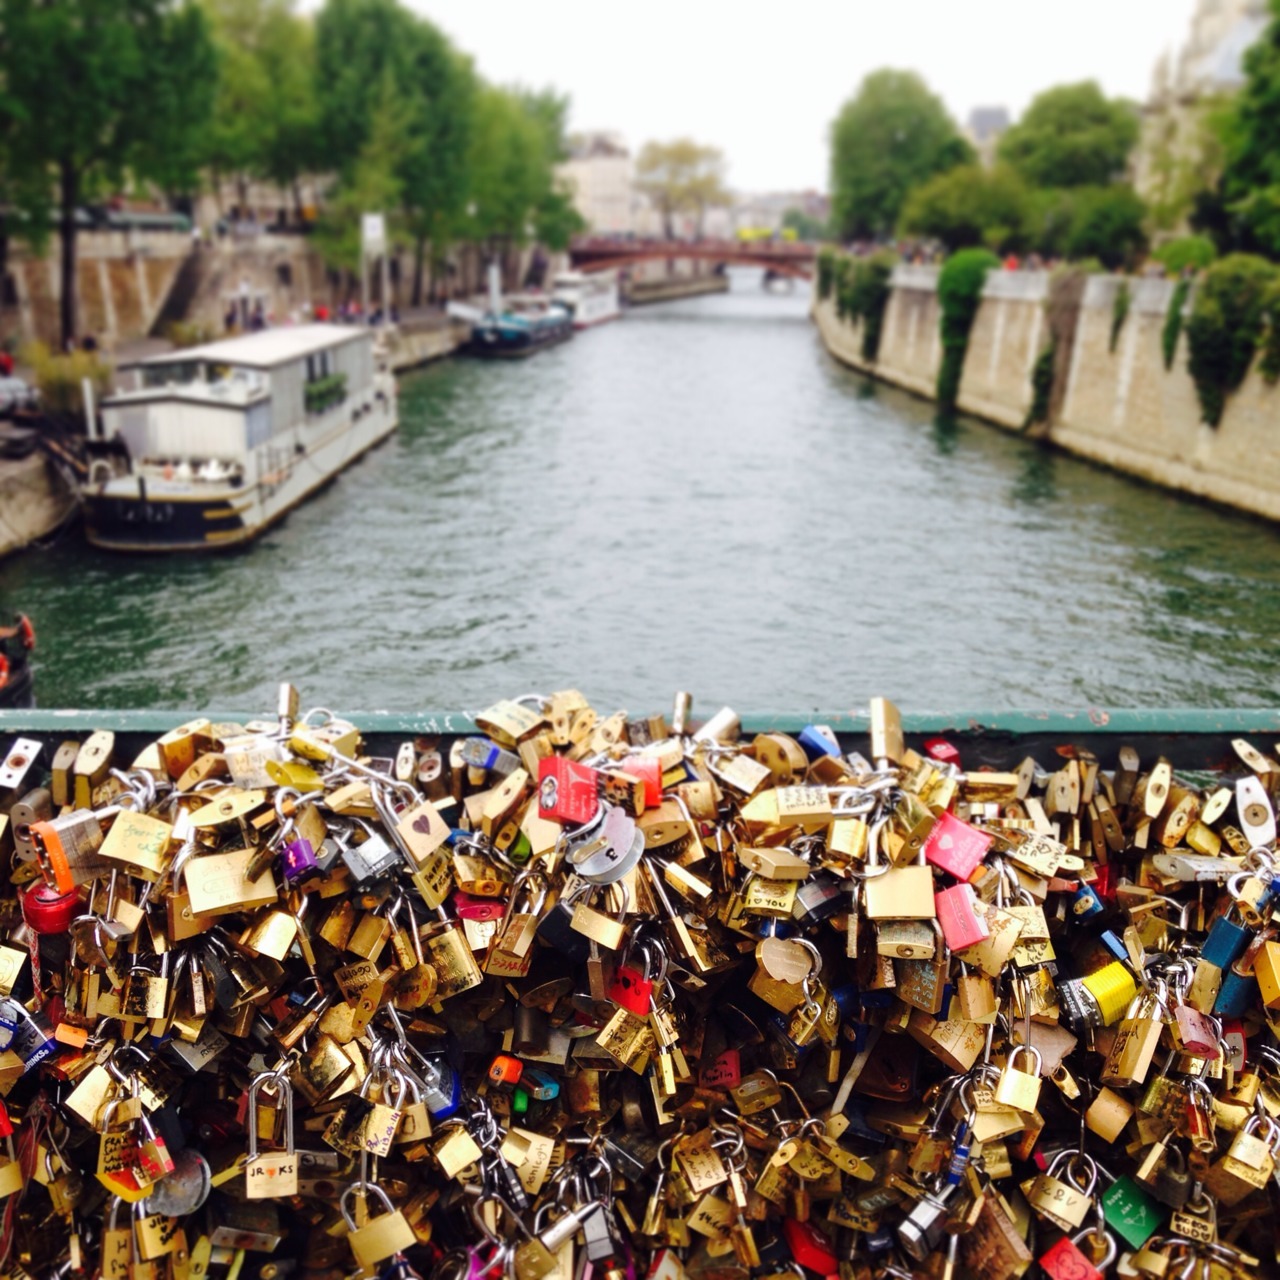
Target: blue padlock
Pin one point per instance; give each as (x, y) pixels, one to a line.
(1225, 942)
(1115, 944)
(818, 740)
(1236, 995)
(1085, 903)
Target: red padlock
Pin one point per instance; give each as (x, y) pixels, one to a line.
(941, 749)
(6, 1125)
(567, 791)
(810, 1247)
(505, 1069)
(649, 770)
(631, 990)
(1065, 1262)
(722, 1072)
(469, 907)
(47, 911)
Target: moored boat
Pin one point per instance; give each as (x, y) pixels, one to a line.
(215, 443)
(511, 335)
(592, 297)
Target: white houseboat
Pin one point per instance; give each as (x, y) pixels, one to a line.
(592, 297)
(219, 441)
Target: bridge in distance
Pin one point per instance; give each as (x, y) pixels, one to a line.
(783, 258)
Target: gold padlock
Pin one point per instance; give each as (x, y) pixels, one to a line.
(1020, 1089)
(381, 1237)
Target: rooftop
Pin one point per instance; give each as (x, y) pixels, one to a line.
(267, 349)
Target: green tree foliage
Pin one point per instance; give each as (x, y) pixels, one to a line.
(891, 136)
(1071, 136)
(959, 295)
(1250, 191)
(682, 176)
(805, 225)
(1172, 330)
(1107, 224)
(1187, 253)
(94, 90)
(1228, 320)
(374, 185)
(265, 111)
(970, 207)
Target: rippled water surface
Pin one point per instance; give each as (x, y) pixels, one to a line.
(696, 497)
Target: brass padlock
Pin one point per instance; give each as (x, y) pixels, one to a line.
(1020, 1089)
(381, 1237)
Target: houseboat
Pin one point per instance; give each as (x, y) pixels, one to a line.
(213, 444)
(592, 298)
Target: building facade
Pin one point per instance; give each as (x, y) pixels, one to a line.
(1178, 153)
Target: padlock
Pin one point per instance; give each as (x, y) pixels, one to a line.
(1171, 1184)
(381, 1237)
(598, 927)
(819, 898)
(557, 931)
(956, 847)
(568, 792)
(1135, 1044)
(46, 910)
(273, 1173)
(897, 893)
(1064, 1200)
(962, 926)
(372, 858)
(1226, 941)
(632, 987)
(511, 952)
(1020, 1089)
(1067, 1261)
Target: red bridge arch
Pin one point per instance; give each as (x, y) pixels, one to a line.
(788, 259)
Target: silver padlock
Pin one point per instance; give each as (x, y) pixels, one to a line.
(923, 1228)
(371, 859)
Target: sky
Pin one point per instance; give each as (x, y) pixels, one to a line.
(763, 82)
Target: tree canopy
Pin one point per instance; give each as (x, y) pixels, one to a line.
(1071, 136)
(95, 90)
(682, 176)
(969, 207)
(1250, 190)
(893, 135)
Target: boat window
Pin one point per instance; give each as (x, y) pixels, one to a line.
(319, 365)
(177, 373)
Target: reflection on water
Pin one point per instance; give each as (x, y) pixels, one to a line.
(696, 497)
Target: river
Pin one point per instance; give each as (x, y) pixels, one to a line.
(698, 498)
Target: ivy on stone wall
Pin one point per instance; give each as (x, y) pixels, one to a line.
(1173, 321)
(828, 261)
(862, 291)
(1119, 312)
(1269, 365)
(1229, 320)
(1042, 385)
(959, 294)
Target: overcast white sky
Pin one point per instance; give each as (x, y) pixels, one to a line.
(763, 81)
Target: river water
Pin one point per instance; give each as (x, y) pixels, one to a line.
(698, 498)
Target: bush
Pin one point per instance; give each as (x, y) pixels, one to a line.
(190, 333)
(862, 291)
(828, 260)
(959, 294)
(1228, 320)
(1173, 322)
(1108, 224)
(971, 206)
(1269, 365)
(59, 377)
(324, 393)
(1195, 252)
(1120, 312)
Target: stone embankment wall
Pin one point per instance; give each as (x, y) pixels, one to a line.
(34, 501)
(1121, 408)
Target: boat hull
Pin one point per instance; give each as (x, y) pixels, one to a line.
(507, 349)
(167, 518)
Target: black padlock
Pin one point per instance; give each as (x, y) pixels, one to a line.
(819, 898)
(557, 931)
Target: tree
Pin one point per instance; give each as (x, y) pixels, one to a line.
(1108, 225)
(805, 225)
(892, 136)
(1250, 194)
(95, 90)
(968, 207)
(681, 176)
(1071, 136)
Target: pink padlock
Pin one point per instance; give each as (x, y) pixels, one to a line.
(958, 916)
(956, 847)
(468, 907)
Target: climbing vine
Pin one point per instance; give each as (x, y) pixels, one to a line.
(1270, 362)
(1042, 385)
(959, 294)
(1229, 320)
(828, 261)
(862, 290)
(1120, 312)
(1173, 321)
